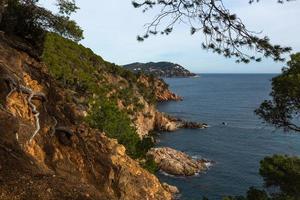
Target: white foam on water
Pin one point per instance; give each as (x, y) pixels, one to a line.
(166, 174)
(208, 164)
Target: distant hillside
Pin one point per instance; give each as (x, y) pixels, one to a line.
(162, 69)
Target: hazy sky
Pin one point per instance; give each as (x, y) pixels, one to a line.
(111, 26)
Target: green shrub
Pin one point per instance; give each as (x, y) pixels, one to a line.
(282, 171)
(144, 145)
(150, 165)
(147, 92)
(106, 117)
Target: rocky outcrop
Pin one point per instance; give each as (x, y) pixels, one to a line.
(145, 120)
(176, 162)
(163, 93)
(148, 118)
(65, 159)
(161, 89)
(167, 95)
(165, 122)
(189, 125)
(170, 188)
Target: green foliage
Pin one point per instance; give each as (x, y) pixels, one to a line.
(144, 145)
(150, 165)
(255, 194)
(126, 94)
(148, 92)
(66, 7)
(106, 117)
(77, 68)
(120, 71)
(282, 171)
(284, 108)
(73, 64)
(29, 21)
(140, 106)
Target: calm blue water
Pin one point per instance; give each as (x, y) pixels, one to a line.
(236, 148)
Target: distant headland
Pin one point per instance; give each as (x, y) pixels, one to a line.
(161, 69)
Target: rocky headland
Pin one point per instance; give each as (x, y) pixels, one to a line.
(160, 69)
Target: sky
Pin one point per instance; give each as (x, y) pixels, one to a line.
(111, 26)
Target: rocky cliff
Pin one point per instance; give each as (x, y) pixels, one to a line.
(159, 87)
(48, 150)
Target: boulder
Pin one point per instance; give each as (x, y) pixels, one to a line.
(170, 188)
(176, 162)
(193, 125)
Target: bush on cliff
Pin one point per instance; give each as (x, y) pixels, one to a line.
(150, 165)
(106, 117)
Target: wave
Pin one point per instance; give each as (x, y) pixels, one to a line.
(166, 174)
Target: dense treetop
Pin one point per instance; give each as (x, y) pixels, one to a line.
(283, 110)
(27, 20)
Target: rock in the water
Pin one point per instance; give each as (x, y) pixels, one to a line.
(164, 122)
(170, 188)
(176, 162)
(193, 125)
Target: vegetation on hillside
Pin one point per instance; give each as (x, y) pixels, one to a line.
(106, 117)
(86, 75)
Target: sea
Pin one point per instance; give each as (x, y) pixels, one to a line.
(236, 139)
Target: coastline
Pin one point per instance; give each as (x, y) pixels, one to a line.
(172, 161)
